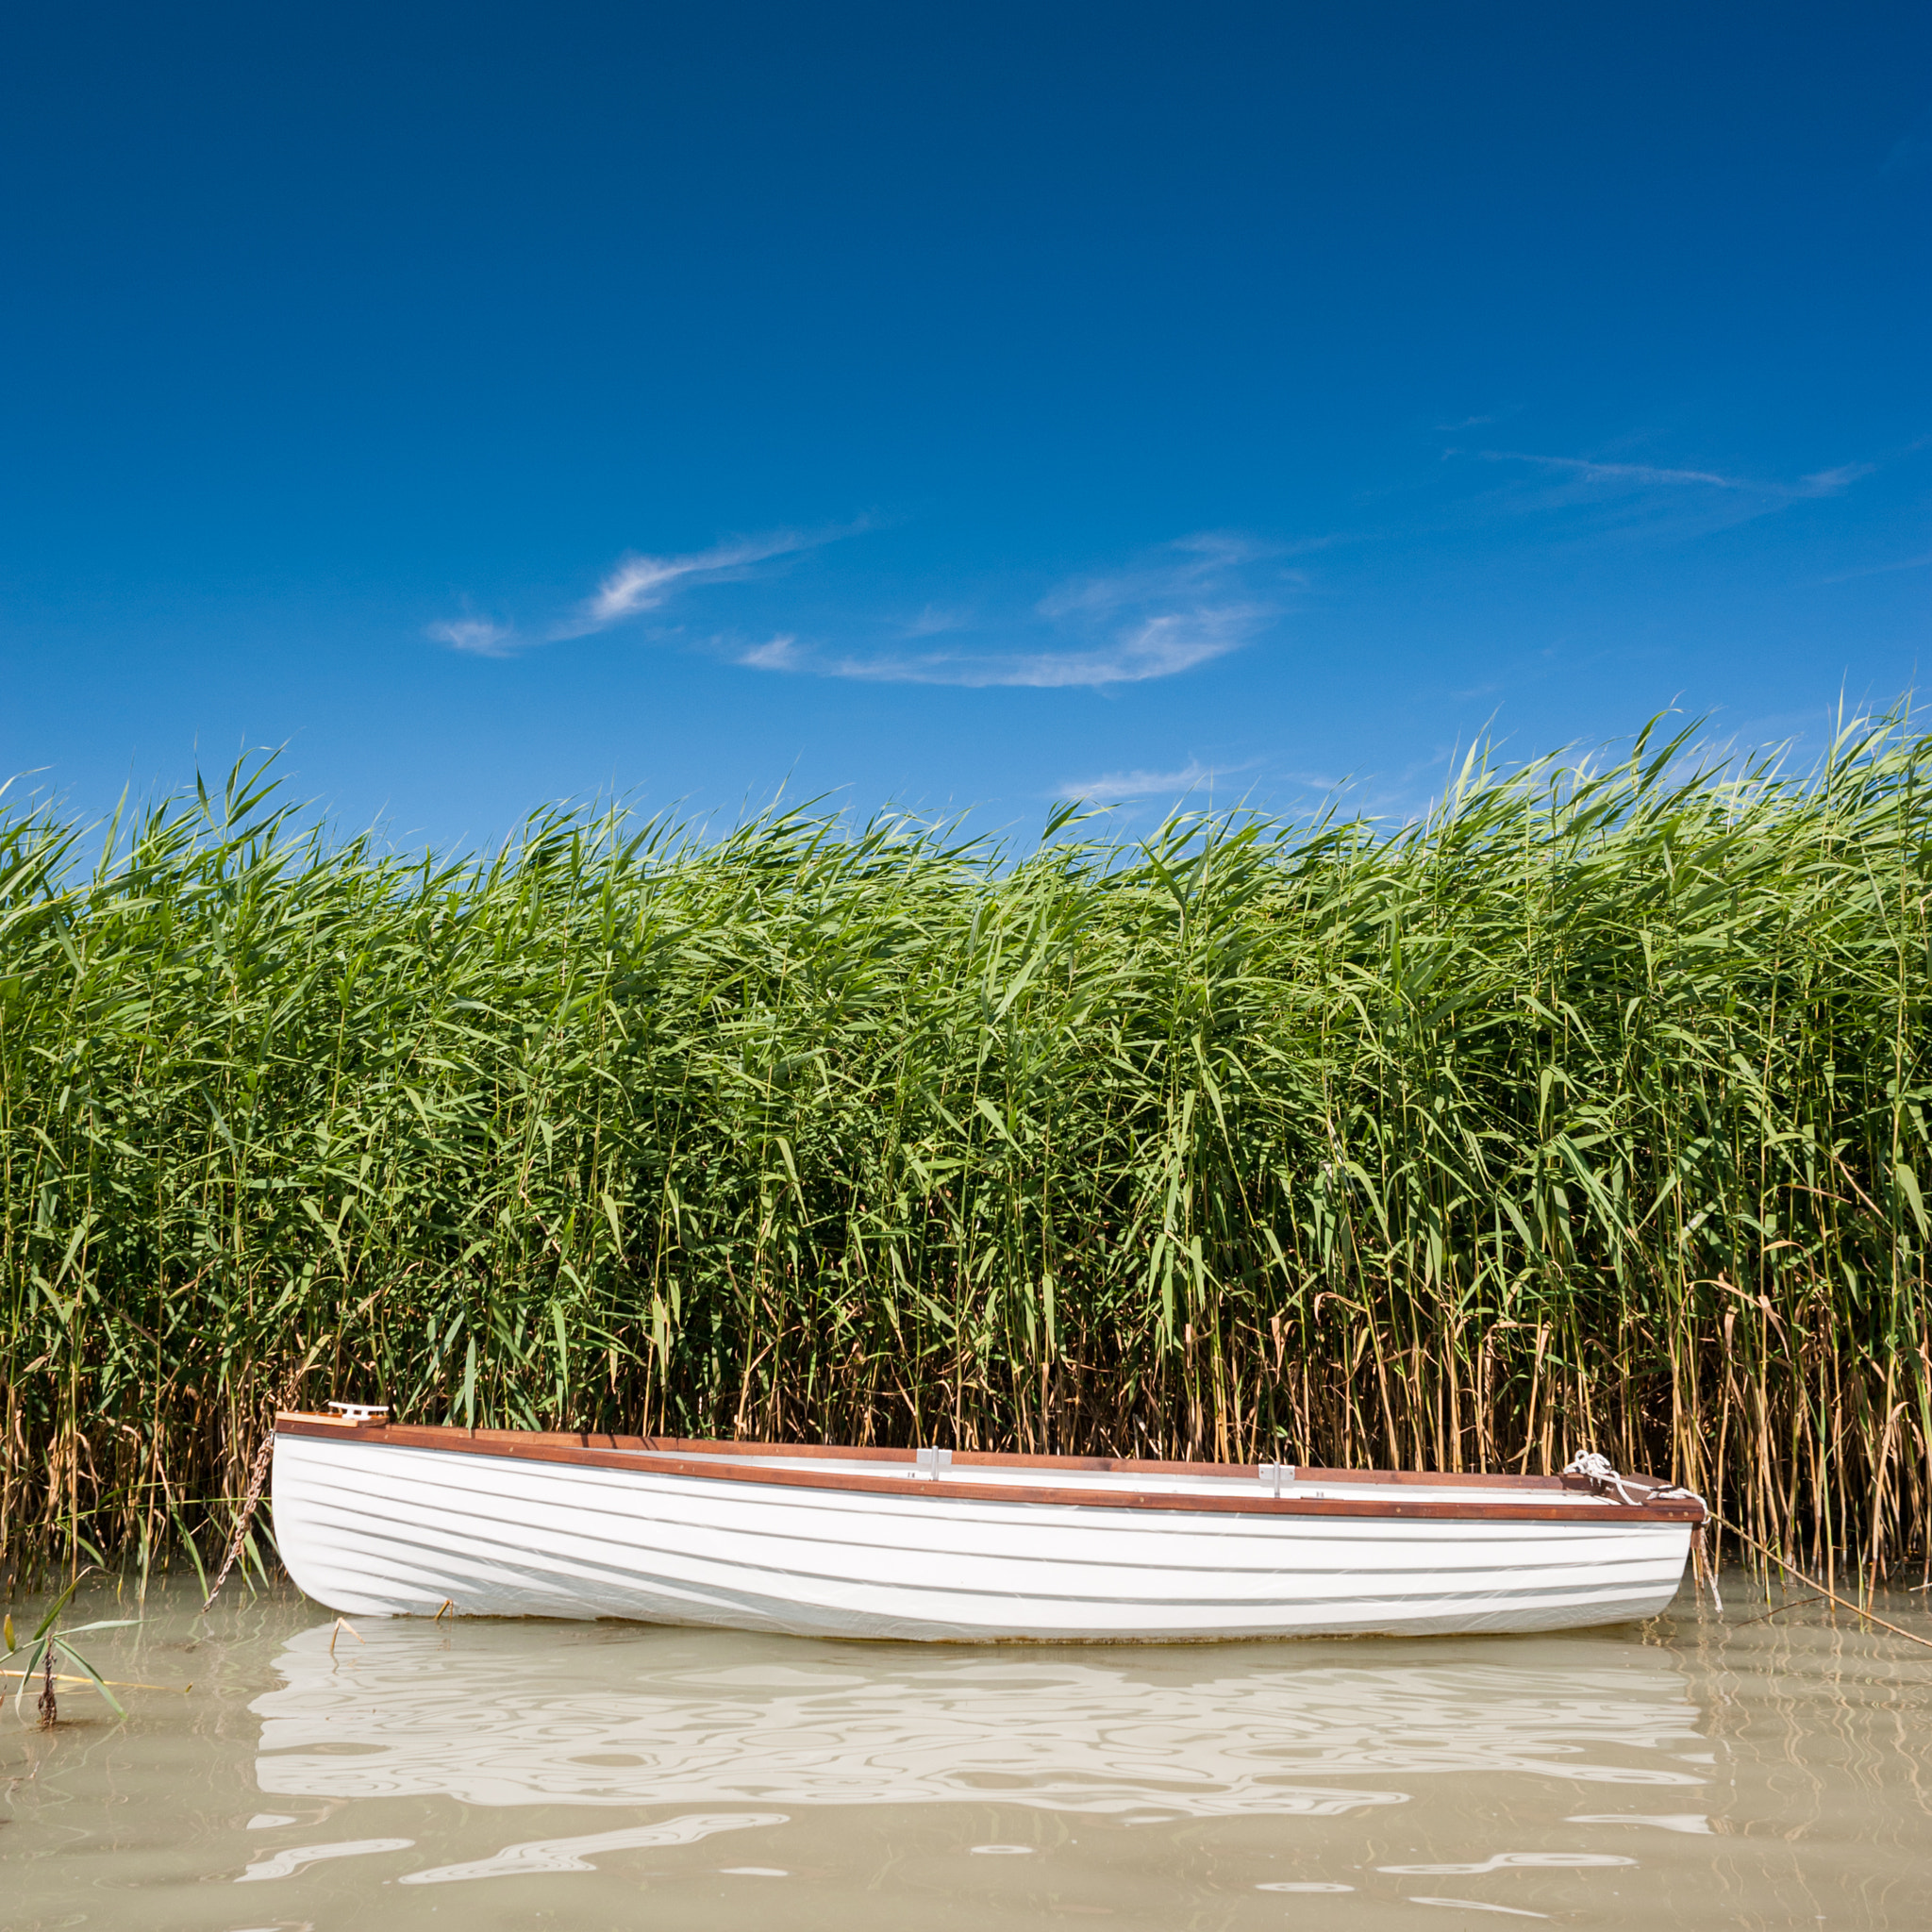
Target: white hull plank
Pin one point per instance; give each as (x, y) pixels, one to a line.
(371, 1528)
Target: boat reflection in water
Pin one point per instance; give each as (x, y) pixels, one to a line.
(521, 1714)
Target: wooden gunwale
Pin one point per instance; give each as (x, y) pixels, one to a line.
(661, 1455)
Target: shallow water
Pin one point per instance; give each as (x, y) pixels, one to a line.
(1696, 1770)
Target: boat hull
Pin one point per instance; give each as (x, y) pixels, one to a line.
(373, 1527)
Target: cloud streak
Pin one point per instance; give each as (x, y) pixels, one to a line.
(1162, 646)
(1646, 476)
(476, 634)
(1618, 472)
(642, 583)
(1589, 499)
(1182, 606)
(1137, 784)
(1188, 604)
(779, 654)
(1879, 570)
(1177, 574)
(636, 585)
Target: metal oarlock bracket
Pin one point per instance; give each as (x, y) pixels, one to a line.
(1274, 1474)
(361, 1412)
(932, 1464)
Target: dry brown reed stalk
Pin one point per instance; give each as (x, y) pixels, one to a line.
(1589, 1111)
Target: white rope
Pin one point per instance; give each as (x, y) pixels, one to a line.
(1595, 1467)
(1600, 1469)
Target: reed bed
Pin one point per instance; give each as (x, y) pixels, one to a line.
(1589, 1111)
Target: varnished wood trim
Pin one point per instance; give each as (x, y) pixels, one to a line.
(658, 1456)
(1102, 1465)
(985, 1459)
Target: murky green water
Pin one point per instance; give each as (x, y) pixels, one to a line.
(1694, 1771)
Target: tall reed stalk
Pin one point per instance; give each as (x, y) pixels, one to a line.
(1588, 1112)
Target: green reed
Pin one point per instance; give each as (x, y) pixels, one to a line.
(1588, 1112)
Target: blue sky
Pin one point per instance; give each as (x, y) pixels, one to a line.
(954, 407)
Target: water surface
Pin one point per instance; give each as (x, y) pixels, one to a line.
(1697, 1771)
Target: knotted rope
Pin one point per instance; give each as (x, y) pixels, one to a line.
(1598, 1468)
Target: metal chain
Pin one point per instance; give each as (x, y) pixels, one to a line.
(48, 1709)
(256, 1477)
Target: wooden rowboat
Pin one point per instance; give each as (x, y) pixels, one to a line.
(376, 1518)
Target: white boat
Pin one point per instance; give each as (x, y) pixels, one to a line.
(374, 1518)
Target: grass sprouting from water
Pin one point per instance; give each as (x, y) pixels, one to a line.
(1589, 1113)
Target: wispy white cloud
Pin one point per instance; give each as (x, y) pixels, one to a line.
(642, 583)
(1180, 606)
(1186, 605)
(935, 621)
(1613, 497)
(777, 654)
(1879, 570)
(1157, 648)
(476, 634)
(1829, 482)
(1137, 784)
(1628, 475)
(1619, 472)
(1175, 574)
(636, 585)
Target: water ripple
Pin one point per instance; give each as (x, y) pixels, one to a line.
(491, 1719)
